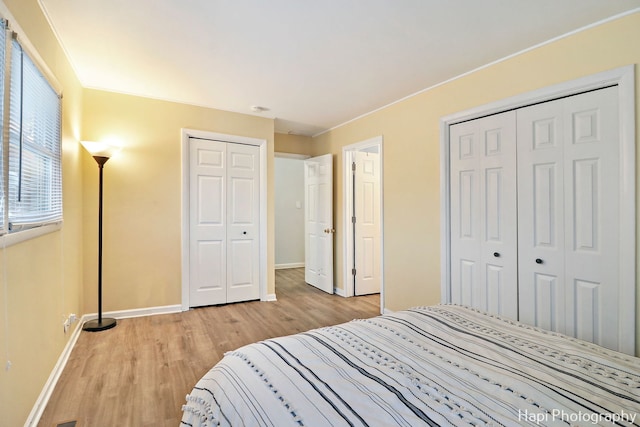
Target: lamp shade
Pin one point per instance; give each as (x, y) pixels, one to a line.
(100, 149)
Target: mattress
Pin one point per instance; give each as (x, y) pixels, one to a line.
(434, 366)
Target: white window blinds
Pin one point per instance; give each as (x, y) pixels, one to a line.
(35, 175)
(3, 43)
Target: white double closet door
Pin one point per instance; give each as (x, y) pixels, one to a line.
(534, 215)
(224, 247)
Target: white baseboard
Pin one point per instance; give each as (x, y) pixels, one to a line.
(50, 385)
(271, 297)
(136, 312)
(41, 403)
(289, 265)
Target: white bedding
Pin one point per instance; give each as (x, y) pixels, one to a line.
(440, 365)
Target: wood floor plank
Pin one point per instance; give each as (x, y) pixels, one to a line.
(138, 373)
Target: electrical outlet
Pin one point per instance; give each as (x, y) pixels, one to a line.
(68, 321)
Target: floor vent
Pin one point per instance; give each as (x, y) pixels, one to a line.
(67, 424)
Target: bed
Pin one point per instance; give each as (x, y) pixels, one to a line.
(433, 366)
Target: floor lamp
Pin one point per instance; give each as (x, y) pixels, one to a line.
(101, 152)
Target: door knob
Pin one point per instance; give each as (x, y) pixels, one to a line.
(538, 261)
(329, 230)
(496, 254)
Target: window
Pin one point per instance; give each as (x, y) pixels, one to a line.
(32, 155)
(3, 42)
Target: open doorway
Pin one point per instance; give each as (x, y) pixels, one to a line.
(289, 210)
(304, 217)
(363, 214)
(286, 202)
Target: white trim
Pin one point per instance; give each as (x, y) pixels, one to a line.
(291, 155)
(347, 193)
(262, 144)
(136, 312)
(270, 297)
(289, 265)
(490, 64)
(43, 399)
(627, 265)
(445, 214)
(624, 78)
(9, 239)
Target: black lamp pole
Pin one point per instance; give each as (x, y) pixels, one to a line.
(99, 324)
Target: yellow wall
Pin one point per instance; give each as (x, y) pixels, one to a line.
(42, 277)
(142, 195)
(294, 144)
(412, 152)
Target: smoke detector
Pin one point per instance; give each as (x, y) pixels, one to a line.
(258, 109)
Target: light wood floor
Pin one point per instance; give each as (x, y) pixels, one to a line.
(139, 373)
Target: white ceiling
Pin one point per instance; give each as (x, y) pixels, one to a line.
(314, 64)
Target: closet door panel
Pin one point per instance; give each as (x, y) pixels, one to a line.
(207, 223)
(243, 228)
(483, 206)
(465, 214)
(591, 215)
(568, 201)
(540, 216)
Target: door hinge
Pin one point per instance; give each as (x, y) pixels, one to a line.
(353, 219)
(353, 166)
(353, 271)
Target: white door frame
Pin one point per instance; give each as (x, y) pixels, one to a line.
(347, 192)
(185, 205)
(624, 78)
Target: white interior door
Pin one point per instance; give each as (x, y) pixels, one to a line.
(541, 194)
(483, 214)
(367, 222)
(207, 230)
(568, 176)
(318, 184)
(243, 225)
(223, 222)
(592, 170)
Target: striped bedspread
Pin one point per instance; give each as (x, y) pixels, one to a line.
(433, 366)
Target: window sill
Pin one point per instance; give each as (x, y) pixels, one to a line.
(22, 236)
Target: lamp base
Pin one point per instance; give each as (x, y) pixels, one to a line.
(96, 326)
